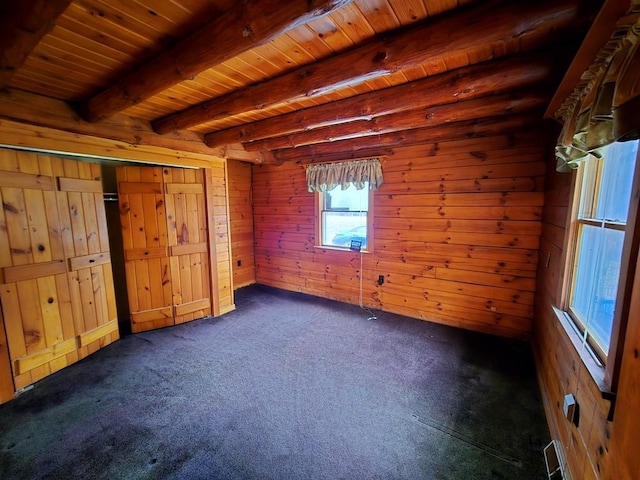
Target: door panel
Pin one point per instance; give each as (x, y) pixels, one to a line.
(90, 278)
(144, 235)
(187, 232)
(51, 296)
(7, 388)
(163, 217)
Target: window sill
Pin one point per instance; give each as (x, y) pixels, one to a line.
(593, 366)
(339, 249)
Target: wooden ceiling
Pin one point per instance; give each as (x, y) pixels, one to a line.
(284, 79)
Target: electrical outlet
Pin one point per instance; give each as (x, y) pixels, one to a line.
(569, 407)
(380, 279)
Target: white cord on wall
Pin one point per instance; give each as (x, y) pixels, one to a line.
(372, 315)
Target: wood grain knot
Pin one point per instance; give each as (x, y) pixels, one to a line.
(380, 57)
(9, 208)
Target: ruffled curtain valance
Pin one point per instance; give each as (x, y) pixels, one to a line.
(604, 106)
(324, 177)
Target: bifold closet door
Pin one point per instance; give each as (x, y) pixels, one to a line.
(56, 284)
(188, 247)
(162, 211)
(144, 237)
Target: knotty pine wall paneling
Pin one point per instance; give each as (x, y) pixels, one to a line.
(560, 369)
(220, 238)
(56, 283)
(456, 234)
(626, 422)
(241, 223)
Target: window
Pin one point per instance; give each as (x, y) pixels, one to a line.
(600, 225)
(344, 218)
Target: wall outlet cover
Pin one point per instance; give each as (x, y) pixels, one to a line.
(569, 406)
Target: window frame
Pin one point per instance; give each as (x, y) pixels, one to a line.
(319, 208)
(605, 374)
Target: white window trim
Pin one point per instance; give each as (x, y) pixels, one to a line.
(319, 203)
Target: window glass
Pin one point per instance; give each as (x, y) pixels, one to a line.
(600, 231)
(344, 217)
(616, 180)
(596, 284)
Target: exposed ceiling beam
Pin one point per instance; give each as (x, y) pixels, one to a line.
(461, 84)
(246, 26)
(23, 23)
(492, 106)
(476, 29)
(453, 131)
(27, 108)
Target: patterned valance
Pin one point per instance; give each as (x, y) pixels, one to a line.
(324, 177)
(603, 107)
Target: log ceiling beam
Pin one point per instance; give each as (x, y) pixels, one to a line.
(27, 108)
(492, 106)
(252, 23)
(461, 84)
(454, 131)
(23, 23)
(476, 29)
(340, 156)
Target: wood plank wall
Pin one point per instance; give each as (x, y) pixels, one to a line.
(560, 369)
(218, 213)
(241, 222)
(626, 422)
(457, 227)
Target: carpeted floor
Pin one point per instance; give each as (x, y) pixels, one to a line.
(288, 386)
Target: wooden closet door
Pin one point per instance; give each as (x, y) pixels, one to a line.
(56, 284)
(144, 236)
(188, 247)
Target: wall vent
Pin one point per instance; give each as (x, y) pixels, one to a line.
(556, 467)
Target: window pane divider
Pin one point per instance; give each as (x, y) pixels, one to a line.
(594, 222)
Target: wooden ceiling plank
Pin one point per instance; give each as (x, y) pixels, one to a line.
(465, 83)
(424, 42)
(353, 24)
(380, 15)
(410, 11)
(72, 44)
(234, 32)
(289, 48)
(329, 31)
(115, 36)
(44, 86)
(307, 40)
(491, 106)
(453, 131)
(23, 23)
(59, 69)
(171, 12)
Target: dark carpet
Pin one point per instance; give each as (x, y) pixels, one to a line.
(288, 386)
